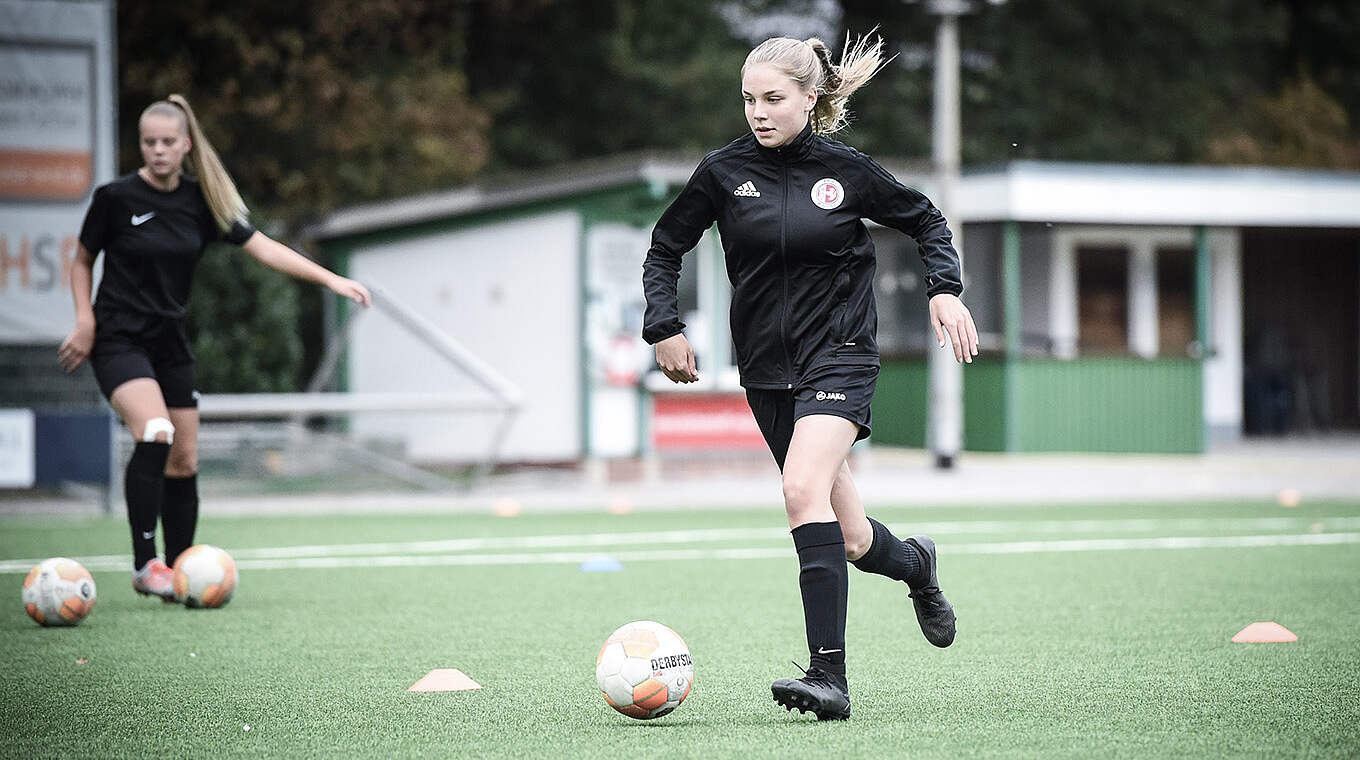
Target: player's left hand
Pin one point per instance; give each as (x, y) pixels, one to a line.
(354, 291)
(949, 315)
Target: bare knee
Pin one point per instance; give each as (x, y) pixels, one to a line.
(858, 539)
(795, 491)
(801, 499)
(181, 464)
(859, 535)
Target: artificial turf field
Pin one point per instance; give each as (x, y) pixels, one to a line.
(1083, 632)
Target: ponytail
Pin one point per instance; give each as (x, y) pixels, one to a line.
(224, 201)
(859, 63)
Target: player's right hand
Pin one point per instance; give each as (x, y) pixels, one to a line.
(76, 348)
(351, 289)
(676, 358)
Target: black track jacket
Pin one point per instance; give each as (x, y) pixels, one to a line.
(799, 257)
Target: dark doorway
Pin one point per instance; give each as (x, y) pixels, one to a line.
(1175, 301)
(1103, 300)
(1301, 330)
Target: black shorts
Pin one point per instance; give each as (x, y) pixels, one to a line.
(839, 390)
(128, 346)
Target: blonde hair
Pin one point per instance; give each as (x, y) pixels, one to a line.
(808, 62)
(218, 189)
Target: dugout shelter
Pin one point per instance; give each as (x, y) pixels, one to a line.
(1123, 308)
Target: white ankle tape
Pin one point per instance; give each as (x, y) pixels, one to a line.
(157, 425)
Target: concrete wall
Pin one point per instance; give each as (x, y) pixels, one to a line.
(1223, 366)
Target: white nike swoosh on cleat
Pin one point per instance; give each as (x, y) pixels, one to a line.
(148, 534)
(138, 219)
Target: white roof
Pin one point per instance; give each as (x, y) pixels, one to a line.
(660, 171)
(657, 170)
(1022, 191)
(1036, 191)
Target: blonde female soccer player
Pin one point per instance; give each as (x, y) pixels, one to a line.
(789, 204)
(152, 226)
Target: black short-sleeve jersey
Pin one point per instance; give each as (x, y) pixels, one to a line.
(151, 240)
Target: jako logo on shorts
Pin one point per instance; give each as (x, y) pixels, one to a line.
(830, 396)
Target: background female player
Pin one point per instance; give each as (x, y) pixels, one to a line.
(789, 204)
(152, 226)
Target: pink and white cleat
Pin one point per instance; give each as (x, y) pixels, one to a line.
(155, 579)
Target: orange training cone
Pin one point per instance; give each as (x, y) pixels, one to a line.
(1264, 633)
(445, 679)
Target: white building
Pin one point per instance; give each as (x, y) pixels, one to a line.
(1124, 308)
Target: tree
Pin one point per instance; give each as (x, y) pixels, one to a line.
(312, 106)
(243, 323)
(571, 80)
(1302, 125)
(1123, 80)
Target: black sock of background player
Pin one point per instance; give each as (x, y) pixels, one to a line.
(824, 580)
(891, 556)
(179, 515)
(142, 489)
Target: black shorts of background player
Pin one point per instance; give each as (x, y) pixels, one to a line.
(789, 204)
(152, 227)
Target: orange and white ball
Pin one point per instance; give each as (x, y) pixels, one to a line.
(58, 591)
(205, 576)
(644, 670)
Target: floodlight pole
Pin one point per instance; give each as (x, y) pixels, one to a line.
(944, 419)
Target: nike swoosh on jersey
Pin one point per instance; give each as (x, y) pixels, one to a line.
(137, 220)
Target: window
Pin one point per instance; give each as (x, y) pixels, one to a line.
(1102, 299)
(1175, 301)
(900, 294)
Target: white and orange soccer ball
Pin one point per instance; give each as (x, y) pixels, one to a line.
(58, 591)
(205, 576)
(644, 670)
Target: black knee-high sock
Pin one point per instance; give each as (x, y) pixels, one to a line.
(891, 556)
(142, 490)
(179, 515)
(824, 580)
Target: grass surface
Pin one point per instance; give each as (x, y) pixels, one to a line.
(1061, 652)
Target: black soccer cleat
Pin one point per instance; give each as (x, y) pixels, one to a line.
(825, 694)
(933, 611)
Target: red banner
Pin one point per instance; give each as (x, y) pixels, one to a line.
(689, 421)
(45, 175)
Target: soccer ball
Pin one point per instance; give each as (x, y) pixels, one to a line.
(205, 576)
(644, 670)
(58, 591)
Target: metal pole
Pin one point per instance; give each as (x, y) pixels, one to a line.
(1203, 349)
(1010, 280)
(944, 421)
(1202, 275)
(115, 485)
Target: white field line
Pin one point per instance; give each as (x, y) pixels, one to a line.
(709, 535)
(548, 558)
(652, 538)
